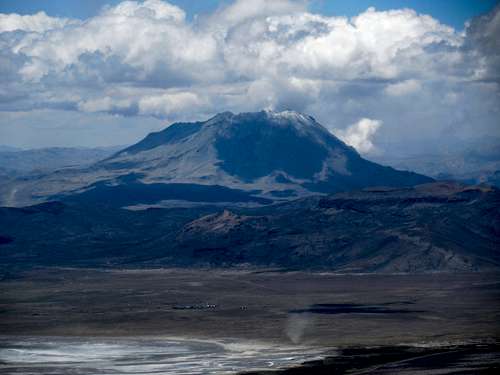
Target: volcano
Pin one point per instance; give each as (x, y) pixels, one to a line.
(256, 158)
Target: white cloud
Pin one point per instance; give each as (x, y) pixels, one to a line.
(105, 104)
(383, 45)
(169, 104)
(403, 88)
(243, 10)
(38, 22)
(145, 58)
(159, 10)
(243, 40)
(151, 38)
(360, 135)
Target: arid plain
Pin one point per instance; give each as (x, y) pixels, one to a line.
(315, 310)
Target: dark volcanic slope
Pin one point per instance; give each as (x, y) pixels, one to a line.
(265, 151)
(431, 227)
(441, 227)
(266, 155)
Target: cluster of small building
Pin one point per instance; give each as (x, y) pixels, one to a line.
(202, 306)
(195, 307)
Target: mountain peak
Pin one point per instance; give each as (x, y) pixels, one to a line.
(223, 116)
(282, 153)
(267, 113)
(294, 118)
(288, 114)
(267, 154)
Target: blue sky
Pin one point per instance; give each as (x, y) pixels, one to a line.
(452, 12)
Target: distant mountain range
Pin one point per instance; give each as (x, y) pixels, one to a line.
(472, 162)
(251, 157)
(265, 189)
(15, 161)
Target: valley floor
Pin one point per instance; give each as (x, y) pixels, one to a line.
(321, 311)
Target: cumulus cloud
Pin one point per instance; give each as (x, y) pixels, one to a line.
(38, 22)
(150, 38)
(155, 9)
(168, 104)
(421, 78)
(241, 10)
(360, 135)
